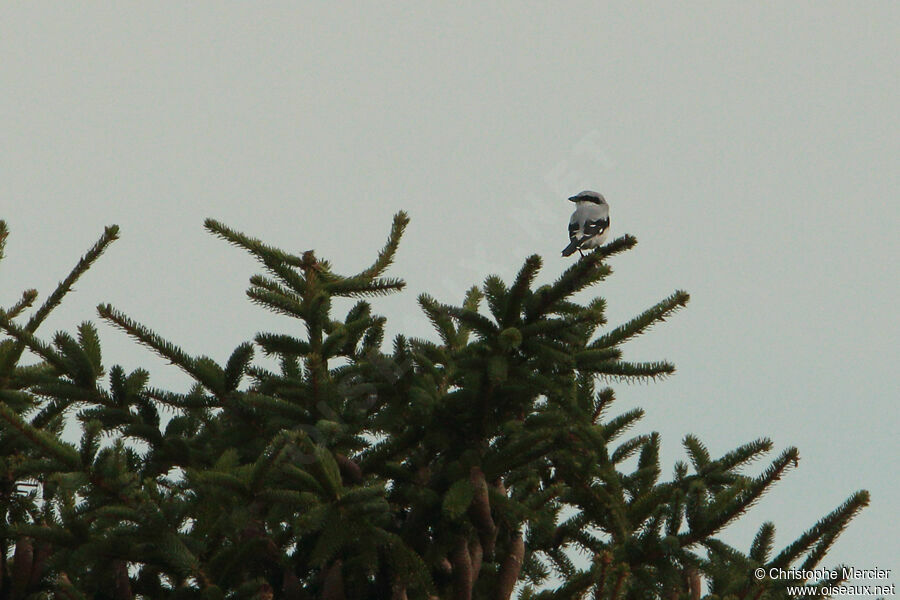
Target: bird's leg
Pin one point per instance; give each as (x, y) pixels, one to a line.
(581, 253)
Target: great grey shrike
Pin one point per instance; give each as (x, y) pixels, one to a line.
(589, 225)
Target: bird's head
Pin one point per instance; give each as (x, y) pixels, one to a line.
(588, 196)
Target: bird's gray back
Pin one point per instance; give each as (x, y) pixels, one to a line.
(588, 211)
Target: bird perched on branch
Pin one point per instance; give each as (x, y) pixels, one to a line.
(589, 225)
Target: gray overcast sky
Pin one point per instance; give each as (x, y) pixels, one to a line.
(752, 148)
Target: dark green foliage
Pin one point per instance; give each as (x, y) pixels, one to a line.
(479, 465)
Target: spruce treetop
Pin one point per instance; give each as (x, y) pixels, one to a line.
(483, 463)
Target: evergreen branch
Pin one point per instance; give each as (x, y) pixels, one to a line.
(281, 303)
(779, 466)
(356, 287)
(676, 511)
(697, 452)
(237, 365)
(326, 471)
(374, 336)
(110, 234)
(386, 254)
(574, 586)
(81, 367)
(628, 370)
(89, 340)
(275, 260)
(721, 549)
(727, 510)
(618, 425)
(520, 287)
(439, 317)
(183, 401)
(296, 282)
(220, 479)
(51, 412)
(274, 343)
(647, 472)
(473, 298)
(834, 522)
(607, 504)
(744, 454)
(90, 440)
(581, 274)
(269, 459)
(180, 557)
(266, 283)
(473, 320)
(589, 360)
(495, 292)
(256, 247)
(550, 328)
(817, 553)
(281, 496)
(4, 235)
(562, 564)
(642, 322)
(604, 398)
(360, 324)
(762, 543)
(627, 449)
(360, 312)
(286, 409)
(54, 535)
(18, 401)
(618, 245)
(27, 299)
(40, 439)
(28, 375)
(25, 338)
(302, 479)
(162, 347)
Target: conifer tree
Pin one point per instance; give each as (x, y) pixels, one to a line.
(474, 465)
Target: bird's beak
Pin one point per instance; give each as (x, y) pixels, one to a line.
(572, 198)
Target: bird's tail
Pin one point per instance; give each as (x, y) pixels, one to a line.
(572, 247)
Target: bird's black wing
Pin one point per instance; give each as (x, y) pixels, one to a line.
(597, 227)
(573, 229)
